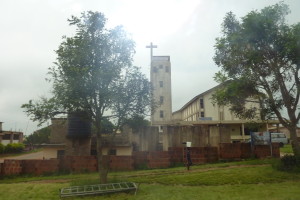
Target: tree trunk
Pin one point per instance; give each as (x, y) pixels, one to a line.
(102, 162)
(294, 141)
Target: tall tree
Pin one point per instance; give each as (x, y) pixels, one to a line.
(94, 73)
(259, 57)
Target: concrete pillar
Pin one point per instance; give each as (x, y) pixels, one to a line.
(243, 132)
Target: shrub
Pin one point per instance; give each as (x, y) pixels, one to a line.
(289, 163)
(14, 148)
(2, 147)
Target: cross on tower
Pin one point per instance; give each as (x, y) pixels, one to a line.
(151, 46)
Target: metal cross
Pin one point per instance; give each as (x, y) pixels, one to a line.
(151, 46)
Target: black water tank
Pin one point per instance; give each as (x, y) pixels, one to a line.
(79, 125)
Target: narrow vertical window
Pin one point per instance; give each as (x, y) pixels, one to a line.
(201, 103)
(167, 68)
(161, 100)
(161, 114)
(202, 114)
(161, 83)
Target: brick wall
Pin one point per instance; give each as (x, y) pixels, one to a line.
(230, 151)
(139, 159)
(121, 163)
(236, 151)
(153, 159)
(39, 167)
(11, 167)
(158, 159)
(78, 163)
(199, 155)
(263, 151)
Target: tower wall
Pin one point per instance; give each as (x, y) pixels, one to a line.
(161, 82)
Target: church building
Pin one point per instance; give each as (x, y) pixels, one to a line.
(199, 111)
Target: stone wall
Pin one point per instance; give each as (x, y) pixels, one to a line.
(200, 136)
(144, 139)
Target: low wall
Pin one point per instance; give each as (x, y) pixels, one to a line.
(237, 151)
(78, 163)
(142, 159)
(199, 155)
(39, 167)
(11, 167)
(122, 163)
(158, 159)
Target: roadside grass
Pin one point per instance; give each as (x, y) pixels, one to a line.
(286, 149)
(274, 191)
(250, 179)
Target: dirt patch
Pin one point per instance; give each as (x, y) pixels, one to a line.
(49, 181)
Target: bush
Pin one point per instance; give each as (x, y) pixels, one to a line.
(14, 148)
(289, 163)
(2, 147)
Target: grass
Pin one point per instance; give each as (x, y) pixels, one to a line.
(251, 179)
(286, 149)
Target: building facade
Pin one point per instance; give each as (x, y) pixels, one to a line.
(10, 137)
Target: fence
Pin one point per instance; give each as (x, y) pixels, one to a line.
(153, 159)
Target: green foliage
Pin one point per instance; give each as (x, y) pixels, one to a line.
(39, 137)
(107, 126)
(136, 122)
(289, 163)
(14, 148)
(2, 148)
(286, 149)
(259, 57)
(93, 73)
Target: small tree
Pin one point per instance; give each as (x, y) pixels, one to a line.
(260, 59)
(38, 137)
(93, 73)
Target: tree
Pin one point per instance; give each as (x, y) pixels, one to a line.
(259, 57)
(39, 137)
(136, 122)
(94, 73)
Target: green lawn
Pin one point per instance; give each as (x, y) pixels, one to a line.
(253, 179)
(286, 149)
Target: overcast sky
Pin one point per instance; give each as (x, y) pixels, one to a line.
(184, 29)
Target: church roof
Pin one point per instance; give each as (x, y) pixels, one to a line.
(198, 96)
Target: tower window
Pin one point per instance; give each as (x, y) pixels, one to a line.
(161, 100)
(167, 69)
(202, 114)
(160, 66)
(154, 69)
(161, 83)
(161, 114)
(201, 103)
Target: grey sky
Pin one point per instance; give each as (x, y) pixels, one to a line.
(184, 29)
